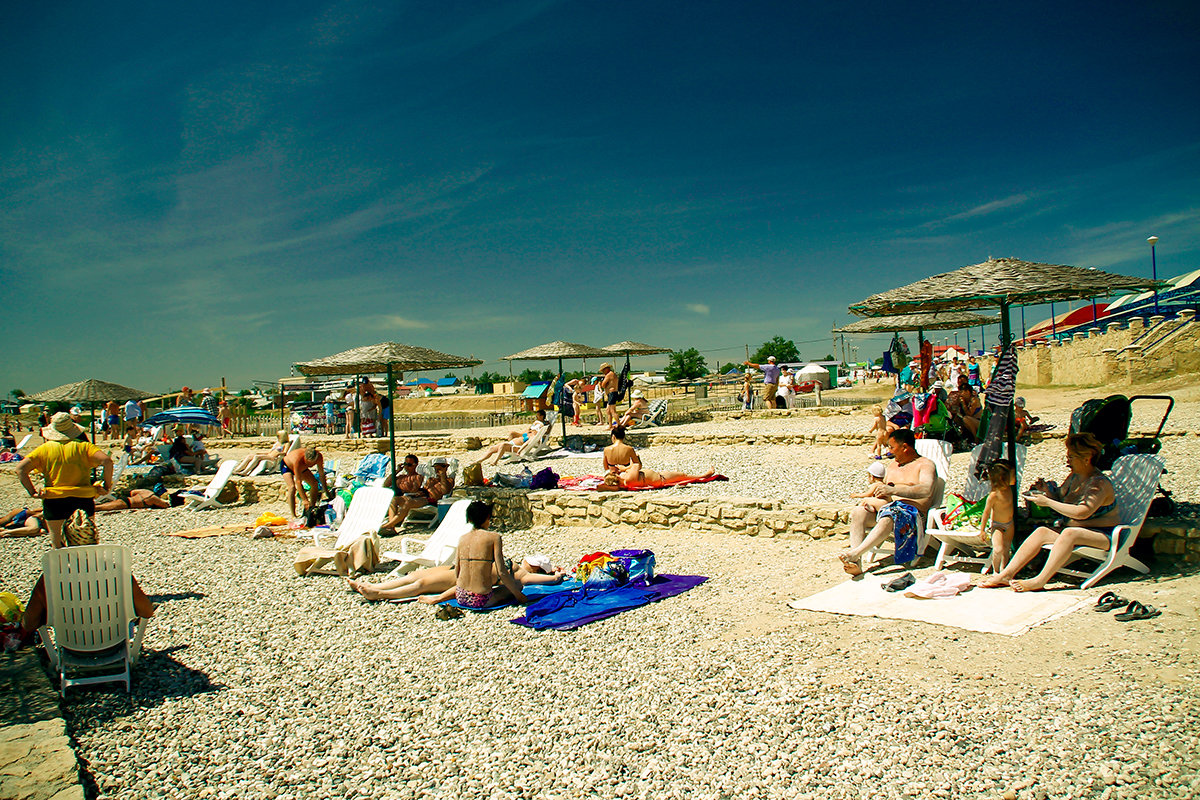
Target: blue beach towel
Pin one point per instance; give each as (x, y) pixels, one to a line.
(537, 590)
(568, 610)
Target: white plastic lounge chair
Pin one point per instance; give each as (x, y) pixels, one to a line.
(89, 611)
(368, 509)
(208, 499)
(536, 447)
(24, 441)
(438, 550)
(935, 451)
(963, 545)
(654, 415)
(118, 471)
(430, 516)
(1135, 480)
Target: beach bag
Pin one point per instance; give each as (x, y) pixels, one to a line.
(638, 563)
(80, 530)
(315, 517)
(590, 563)
(608, 576)
(11, 607)
(473, 474)
(546, 479)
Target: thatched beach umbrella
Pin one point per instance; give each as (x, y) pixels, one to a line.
(90, 391)
(635, 349)
(557, 350)
(998, 282)
(930, 321)
(389, 358)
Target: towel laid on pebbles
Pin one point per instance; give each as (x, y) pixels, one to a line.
(566, 611)
(591, 483)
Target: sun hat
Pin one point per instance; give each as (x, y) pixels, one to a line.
(605, 366)
(876, 469)
(76, 411)
(61, 428)
(637, 394)
(540, 561)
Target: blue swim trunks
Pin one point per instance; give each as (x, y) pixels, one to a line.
(905, 525)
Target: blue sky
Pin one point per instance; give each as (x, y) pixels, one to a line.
(196, 191)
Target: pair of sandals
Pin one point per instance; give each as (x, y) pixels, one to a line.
(1134, 610)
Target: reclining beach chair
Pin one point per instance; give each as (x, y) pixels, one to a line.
(654, 415)
(536, 447)
(1135, 481)
(965, 545)
(208, 498)
(274, 465)
(357, 535)
(89, 615)
(937, 452)
(368, 510)
(438, 550)
(24, 441)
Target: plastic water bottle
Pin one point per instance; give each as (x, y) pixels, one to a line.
(331, 516)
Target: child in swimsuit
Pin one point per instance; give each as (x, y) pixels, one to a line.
(875, 472)
(996, 524)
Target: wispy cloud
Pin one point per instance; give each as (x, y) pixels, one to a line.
(386, 322)
(697, 308)
(1012, 201)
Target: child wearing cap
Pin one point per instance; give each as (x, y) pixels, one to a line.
(1023, 420)
(876, 472)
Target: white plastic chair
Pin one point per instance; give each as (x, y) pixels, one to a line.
(966, 546)
(368, 509)
(536, 446)
(936, 451)
(208, 499)
(1134, 480)
(654, 415)
(89, 614)
(439, 549)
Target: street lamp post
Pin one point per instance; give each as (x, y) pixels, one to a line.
(1153, 240)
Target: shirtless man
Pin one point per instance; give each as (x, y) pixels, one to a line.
(908, 489)
(608, 384)
(411, 495)
(296, 468)
(112, 419)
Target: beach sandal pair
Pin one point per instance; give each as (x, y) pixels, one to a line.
(1134, 610)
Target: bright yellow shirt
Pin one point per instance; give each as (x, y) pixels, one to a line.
(67, 467)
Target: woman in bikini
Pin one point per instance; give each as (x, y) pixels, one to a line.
(535, 569)
(1087, 506)
(515, 441)
(481, 566)
(272, 456)
(623, 469)
(132, 499)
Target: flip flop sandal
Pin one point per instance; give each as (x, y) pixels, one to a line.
(903, 582)
(1137, 611)
(1110, 600)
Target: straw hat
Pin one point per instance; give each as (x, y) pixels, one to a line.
(61, 428)
(605, 366)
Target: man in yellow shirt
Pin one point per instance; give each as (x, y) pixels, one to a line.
(66, 463)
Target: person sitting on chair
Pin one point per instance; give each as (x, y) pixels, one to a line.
(1087, 507)
(964, 407)
(636, 412)
(908, 488)
(411, 495)
(516, 440)
(271, 456)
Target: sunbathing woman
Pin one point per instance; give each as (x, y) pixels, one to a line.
(132, 499)
(272, 456)
(481, 566)
(623, 469)
(1088, 508)
(21, 523)
(619, 456)
(516, 440)
(535, 569)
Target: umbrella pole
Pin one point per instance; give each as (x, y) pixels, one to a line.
(391, 425)
(629, 394)
(1011, 434)
(561, 415)
(923, 378)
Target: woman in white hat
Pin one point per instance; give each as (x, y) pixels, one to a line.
(66, 464)
(637, 412)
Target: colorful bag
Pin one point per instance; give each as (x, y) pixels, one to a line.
(80, 530)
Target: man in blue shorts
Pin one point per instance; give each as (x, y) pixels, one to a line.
(906, 492)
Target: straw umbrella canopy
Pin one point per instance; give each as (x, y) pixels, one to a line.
(90, 391)
(998, 282)
(558, 350)
(635, 349)
(930, 321)
(389, 358)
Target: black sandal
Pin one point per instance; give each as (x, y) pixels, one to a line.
(903, 582)
(1137, 611)
(1110, 600)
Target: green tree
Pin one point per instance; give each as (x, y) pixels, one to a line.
(828, 357)
(686, 364)
(536, 376)
(17, 394)
(783, 349)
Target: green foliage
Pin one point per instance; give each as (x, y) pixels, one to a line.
(17, 394)
(783, 350)
(828, 357)
(536, 376)
(686, 364)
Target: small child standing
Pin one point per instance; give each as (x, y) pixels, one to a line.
(880, 429)
(875, 471)
(996, 524)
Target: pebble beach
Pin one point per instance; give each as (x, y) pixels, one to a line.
(258, 683)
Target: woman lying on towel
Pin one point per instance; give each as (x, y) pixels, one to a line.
(534, 569)
(134, 498)
(1087, 507)
(623, 469)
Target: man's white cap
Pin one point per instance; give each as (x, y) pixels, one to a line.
(637, 394)
(876, 469)
(771, 358)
